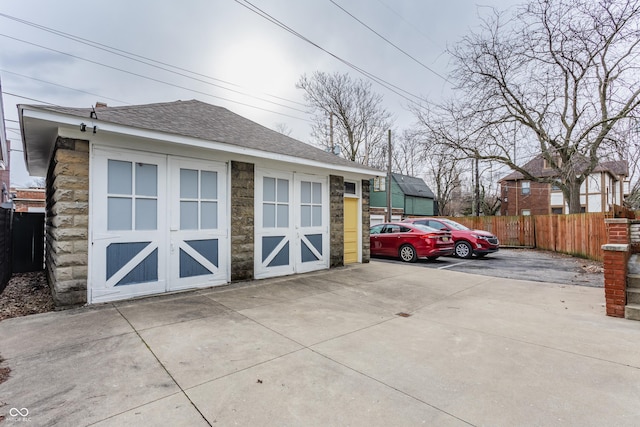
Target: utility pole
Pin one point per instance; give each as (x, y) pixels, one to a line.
(389, 207)
(477, 191)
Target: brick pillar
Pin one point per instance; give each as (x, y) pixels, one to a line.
(616, 257)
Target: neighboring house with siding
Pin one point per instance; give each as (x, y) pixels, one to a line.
(156, 198)
(410, 196)
(607, 185)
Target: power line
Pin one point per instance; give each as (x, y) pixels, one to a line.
(64, 87)
(389, 42)
(393, 88)
(407, 21)
(152, 62)
(150, 78)
(30, 99)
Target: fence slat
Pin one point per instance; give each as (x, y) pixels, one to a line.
(575, 234)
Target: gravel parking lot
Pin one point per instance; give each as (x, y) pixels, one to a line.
(524, 264)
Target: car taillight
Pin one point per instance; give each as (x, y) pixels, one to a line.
(430, 236)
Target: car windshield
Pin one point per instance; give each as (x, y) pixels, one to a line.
(455, 225)
(424, 228)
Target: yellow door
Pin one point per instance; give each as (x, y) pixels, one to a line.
(350, 230)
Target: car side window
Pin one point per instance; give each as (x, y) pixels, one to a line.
(436, 224)
(404, 229)
(392, 229)
(376, 229)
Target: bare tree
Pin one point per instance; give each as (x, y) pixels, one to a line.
(283, 128)
(359, 121)
(443, 177)
(37, 182)
(408, 154)
(555, 80)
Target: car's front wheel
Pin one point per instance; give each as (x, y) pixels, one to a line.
(408, 253)
(463, 250)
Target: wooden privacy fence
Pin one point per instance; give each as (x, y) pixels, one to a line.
(576, 234)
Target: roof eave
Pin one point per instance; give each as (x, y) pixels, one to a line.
(52, 121)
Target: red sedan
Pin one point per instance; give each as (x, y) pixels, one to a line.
(468, 242)
(409, 241)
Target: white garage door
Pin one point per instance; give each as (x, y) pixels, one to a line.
(291, 223)
(158, 224)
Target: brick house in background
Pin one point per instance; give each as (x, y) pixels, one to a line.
(607, 185)
(28, 199)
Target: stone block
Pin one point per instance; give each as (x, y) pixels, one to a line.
(62, 247)
(71, 182)
(80, 247)
(61, 221)
(63, 274)
(239, 239)
(72, 157)
(81, 221)
(80, 272)
(69, 234)
(63, 195)
(65, 260)
(71, 169)
(70, 208)
(69, 293)
(81, 196)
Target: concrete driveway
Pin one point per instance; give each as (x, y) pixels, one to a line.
(329, 348)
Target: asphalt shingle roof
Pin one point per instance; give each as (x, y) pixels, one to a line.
(537, 169)
(412, 186)
(208, 122)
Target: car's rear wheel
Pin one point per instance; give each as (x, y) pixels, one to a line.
(408, 253)
(463, 250)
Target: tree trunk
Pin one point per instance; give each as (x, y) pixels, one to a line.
(573, 198)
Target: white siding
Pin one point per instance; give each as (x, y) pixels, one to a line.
(583, 187)
(379, 219)
(595, 203)
(594, 183)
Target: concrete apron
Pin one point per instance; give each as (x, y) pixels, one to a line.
(329, 348)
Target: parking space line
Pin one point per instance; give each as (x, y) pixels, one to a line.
(453, 265)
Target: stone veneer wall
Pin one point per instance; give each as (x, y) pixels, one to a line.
(242, 220)
(67, 222)
(336, 224)
(366, 221)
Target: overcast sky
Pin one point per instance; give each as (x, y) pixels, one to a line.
(227, 54)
